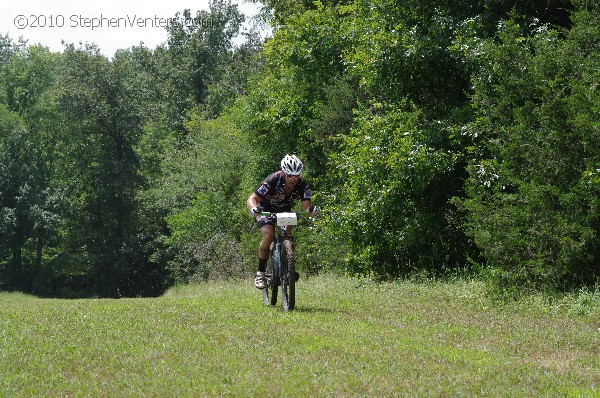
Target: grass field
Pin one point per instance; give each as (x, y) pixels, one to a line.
(348, 338)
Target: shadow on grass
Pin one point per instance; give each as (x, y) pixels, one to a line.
(313, 310)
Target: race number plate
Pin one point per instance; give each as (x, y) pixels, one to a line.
(284, 219)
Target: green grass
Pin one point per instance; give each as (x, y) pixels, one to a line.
(347, 338)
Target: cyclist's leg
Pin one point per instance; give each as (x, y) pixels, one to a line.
(268, 236)
(267, 230)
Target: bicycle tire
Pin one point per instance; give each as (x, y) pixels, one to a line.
(288, 270)
(274, 281)
(265, 292)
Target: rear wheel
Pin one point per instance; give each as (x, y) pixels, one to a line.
(288, 270)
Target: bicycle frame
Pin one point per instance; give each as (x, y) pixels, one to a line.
(282, 261)
(275, 278)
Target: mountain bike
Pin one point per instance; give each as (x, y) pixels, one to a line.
(282, 267)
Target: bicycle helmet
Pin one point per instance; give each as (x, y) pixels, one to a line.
(291, 165)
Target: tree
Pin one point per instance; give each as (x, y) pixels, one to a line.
(8, 47)
(28, 209)
(396, 152)
(26, 76)
(30, 200)
(198, 48)
(199, 190)
(104, 113)
(533, 194)
(392, 205)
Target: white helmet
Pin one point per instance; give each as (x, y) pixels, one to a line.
(291, 165)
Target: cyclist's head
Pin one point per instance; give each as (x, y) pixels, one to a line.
(291, 165)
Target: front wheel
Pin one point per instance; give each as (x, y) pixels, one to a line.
(274, 281)
(265, 290)
(288, 271)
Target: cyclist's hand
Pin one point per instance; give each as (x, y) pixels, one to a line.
(313, 210)
(256, 210)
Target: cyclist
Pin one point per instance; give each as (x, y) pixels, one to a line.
(275, 194)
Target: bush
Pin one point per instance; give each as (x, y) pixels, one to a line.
(393, 206)
(532, 200)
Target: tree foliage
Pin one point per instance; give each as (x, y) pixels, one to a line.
(438, 137)
(532, 199)
(425, 78)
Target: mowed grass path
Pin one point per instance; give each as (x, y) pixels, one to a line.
(347, 338)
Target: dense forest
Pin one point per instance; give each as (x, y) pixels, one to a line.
(440, 138)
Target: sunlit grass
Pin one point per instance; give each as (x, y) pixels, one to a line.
(347, 338)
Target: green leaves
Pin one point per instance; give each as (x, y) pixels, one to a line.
(387, 202)
(26, 75)
(536, 219)
(418, 122)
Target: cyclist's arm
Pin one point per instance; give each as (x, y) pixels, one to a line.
(253, 201)
(305, 196)
(306, 204)
(308, 209)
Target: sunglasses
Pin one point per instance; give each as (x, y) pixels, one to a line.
(292, 176)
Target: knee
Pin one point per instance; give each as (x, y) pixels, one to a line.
(266, 241)
(268, 235)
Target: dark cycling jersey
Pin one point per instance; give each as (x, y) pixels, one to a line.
(274, 198)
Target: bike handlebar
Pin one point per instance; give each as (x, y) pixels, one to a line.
(301, 213)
